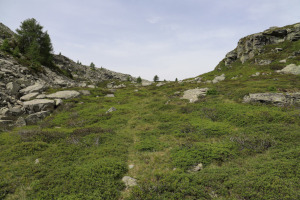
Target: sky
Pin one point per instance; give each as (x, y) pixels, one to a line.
(169, 38)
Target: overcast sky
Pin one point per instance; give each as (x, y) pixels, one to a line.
(169, 38)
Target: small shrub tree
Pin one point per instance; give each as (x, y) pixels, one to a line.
(16, 52)
(176, 80)
(5, 46)
(139, 80)
(92, 65)
(155, 79)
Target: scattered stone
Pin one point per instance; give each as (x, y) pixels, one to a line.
(29, 96)
(273, 98)
(136, 90)
(160, 84)
(112, 109)
(13, 87)
(146, 83)
(278, 49)
(58, 102)
(119, 86)
(290, 69)
(263, 62)
(129, 182)
(256, 74)
(16, 111)
(4, 111)
(197, 167)
(193, 94)
(109, 95)
(130, 166)
(85, 92)
(66, 94)
(37, 161)
(91, 86)
(219, 78)
(36, 117)
(20, 122)
(283, 61)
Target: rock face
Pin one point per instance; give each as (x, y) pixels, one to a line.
(251, 45)
(193, 94)
(21, 85)
(290, 69)
(273, 98)
(67, 94)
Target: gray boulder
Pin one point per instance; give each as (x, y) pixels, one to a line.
(36, 117)
(290, 69)
(29, 96)
(85, 92)
(38, 105)
(16, 111)
(13, 87)
(37, 87)
(193, 94)
(67, 94)
(276, 98)
(218, 78)
(112, 109)
(109, 95)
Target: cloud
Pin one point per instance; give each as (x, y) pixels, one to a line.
(154, 20)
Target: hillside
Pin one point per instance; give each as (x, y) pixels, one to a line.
(232, 133)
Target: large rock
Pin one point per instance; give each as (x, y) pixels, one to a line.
(36, 117)
(38, 105)
(290, 69)
(218, 78)
(67, 94)
(193, 94)
(29, 96)
(37, 87)
(273, 98)
(13, 87)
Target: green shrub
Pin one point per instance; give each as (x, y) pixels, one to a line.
(212, 92)
(189, 155)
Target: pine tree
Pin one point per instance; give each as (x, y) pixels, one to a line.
(176, 80)
(155, 79)
(30, 35)
(5, 45)
(139, 80)
(16, 51)
(92, 65)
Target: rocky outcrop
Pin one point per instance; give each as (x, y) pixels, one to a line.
(252, 45)
(273, 98)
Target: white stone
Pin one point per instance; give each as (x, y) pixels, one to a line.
(129, 182)
(67, 94)
(193, 94)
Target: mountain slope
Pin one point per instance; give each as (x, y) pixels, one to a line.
(210, 146)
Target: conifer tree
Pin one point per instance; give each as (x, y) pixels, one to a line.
(30, 37)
